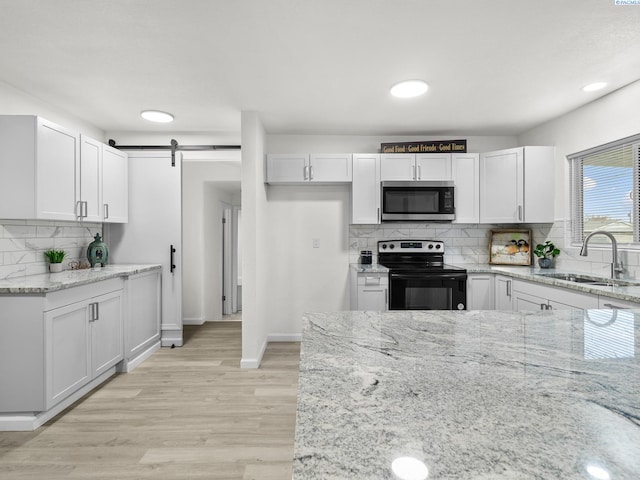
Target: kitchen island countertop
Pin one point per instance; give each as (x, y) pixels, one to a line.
(473, 395)
(51, 282)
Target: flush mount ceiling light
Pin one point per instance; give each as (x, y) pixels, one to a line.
(592, 87)
(156, 116)
(409, 88)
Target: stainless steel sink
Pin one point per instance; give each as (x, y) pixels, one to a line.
(589, 280)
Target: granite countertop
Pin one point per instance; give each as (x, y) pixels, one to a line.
(369, 268)
(474, 395)
(50, 282)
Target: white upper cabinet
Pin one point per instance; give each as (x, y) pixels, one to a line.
(89, 205)
(115, 185)
(50, 172)
(39, 161)
(397, 166)
(365, 189)
(465, 172)
(305, 168)
(409, 166)
(517, 185)
(433, 166)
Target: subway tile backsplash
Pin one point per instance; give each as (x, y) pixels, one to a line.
(23, 242)
(469, 244)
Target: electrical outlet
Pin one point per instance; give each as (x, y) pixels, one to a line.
(316, 243)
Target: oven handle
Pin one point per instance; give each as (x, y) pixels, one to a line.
(428, 275)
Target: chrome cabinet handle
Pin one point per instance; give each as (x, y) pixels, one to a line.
(305, 172)
(520, 212)
(508, 288)
(86, 209)
(94, 312)
(413, 169)
(311, 172)
(79, 209)
(106, 210)
(419, 172)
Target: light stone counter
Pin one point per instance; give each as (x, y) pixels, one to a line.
(474, 395)
(50, 282)
(369, 268)
(532, 274)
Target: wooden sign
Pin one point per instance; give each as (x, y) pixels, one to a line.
(430, 146)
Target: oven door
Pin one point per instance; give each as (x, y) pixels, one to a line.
(427, 291)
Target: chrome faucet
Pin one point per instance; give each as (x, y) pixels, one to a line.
(616, 267)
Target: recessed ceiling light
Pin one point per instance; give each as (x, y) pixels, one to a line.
(592, 87)
(409, 88)
(156, 116)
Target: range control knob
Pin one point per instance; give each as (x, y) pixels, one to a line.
(430, 246)
(384, 246)
(392, 246)
(438, 246)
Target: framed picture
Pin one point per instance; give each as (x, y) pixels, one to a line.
(510, 247)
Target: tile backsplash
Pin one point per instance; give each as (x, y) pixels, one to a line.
(469, 244)
(23, 242)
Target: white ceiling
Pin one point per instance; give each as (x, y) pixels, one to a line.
(318, 66)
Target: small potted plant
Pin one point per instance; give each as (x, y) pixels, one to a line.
(55, 257)
(546, 252)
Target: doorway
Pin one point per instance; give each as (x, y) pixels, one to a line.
(231, 271)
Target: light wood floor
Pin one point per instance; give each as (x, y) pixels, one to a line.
(187, 412)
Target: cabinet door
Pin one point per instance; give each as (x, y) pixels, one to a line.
(480, 291)
(365, 189)
(465, 168)
(90, 197)
(433, 166)
(107, 340)
(501, 186)
(503, 293)
(330, 167)
(372, 298)
(57, 171)
(142, 329)
(397, 166)
(115, 185)
(539, 184)
(525, 302)
(287, 168)
(68, 361)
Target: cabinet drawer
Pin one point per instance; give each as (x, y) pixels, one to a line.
(373, 280)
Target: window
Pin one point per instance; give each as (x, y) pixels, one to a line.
(605, 193)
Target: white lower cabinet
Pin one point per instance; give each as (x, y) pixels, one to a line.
(58, 346)
(534, 296)
(480, 291)
(369, 291)
(143, 315)
(83, 340)
(503, 288)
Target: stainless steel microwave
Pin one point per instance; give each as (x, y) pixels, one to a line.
(417, 200)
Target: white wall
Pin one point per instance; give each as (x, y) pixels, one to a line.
(612, 117)
(256, 283)
(204, 186)
(15, 102)
(371, 144)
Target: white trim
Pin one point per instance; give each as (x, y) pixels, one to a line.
(28, 422)
(254, 362)
(193, 321)
(284, 337)
(130, 365)
(171, 338)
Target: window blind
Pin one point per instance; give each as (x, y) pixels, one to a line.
(604, 185)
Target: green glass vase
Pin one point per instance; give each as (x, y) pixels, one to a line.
(97, 252)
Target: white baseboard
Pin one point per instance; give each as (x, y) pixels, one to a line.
(193, 321)
(171, 338)
(254, 362)
(26, 422)
(128, 366)
(284, 337)
(273, 337)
